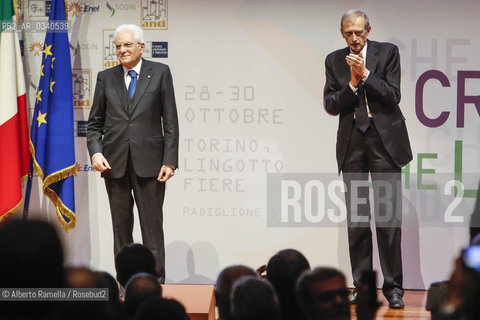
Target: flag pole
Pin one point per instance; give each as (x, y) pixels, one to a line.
(28, 190)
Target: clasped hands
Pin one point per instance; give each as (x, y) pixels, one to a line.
(358, 71)
(100, 163)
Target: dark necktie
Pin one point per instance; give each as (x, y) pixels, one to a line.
(361, 115)
(133, 83)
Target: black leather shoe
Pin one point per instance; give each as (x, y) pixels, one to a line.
(396, 301)
(352, 298)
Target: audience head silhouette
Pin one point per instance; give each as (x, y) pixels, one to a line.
(160, 308)
(224, 284)
(139, 288)
(283, 271)
(254, 299)
(132, 260)
(32, 257)
(322, 294)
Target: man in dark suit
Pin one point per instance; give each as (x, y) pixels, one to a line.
(363, 87)
(133, 140)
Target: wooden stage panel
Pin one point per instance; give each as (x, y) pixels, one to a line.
(414, 307)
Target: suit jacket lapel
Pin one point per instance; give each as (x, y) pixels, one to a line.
(343, 67)
(143, 82)
(119, 84)
(372, 58)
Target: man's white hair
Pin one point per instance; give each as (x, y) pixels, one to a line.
(133, 28)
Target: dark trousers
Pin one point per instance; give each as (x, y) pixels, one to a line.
(367, 155)
(149, 195)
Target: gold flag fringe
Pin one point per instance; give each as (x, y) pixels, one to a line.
(7, 214)
(66, 10)
(60, 207)
(15, 9)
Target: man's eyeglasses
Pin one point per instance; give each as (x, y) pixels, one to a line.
(126, 45)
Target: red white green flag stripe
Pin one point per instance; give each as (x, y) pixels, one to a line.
(14, 154)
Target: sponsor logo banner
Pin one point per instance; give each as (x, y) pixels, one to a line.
(38, 8)
(154, 15)
(82, 88)
(109, 51)
(78, 8)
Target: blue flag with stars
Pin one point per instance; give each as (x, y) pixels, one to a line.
(52, 142)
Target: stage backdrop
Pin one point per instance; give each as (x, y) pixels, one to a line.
(257, 170)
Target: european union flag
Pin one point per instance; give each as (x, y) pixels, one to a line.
(52, 142)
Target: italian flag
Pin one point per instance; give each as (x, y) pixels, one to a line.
(14, 154)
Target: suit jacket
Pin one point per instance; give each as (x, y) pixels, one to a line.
(146, 126)
(382, 88)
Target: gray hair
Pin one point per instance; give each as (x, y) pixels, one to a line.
(132, 28)
(357, 13)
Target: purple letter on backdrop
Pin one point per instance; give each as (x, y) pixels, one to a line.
(462, 99)
(431, 74)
